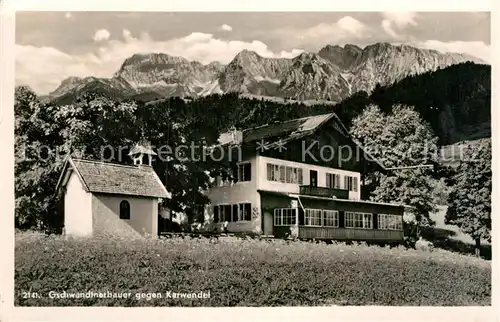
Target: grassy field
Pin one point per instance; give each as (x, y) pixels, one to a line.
(240, 272)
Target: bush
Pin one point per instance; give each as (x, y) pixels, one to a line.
(245, 272)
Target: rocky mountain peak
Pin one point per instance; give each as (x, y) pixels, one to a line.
(250, 72)
(67, 85)
(306, 56)
(352, 48)
(343, 57)
(165, 73)
(246, 57)
(71, 80)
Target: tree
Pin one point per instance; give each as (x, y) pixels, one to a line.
(470, 198)
(180, 132)
(30, 134)
(399, 139)
(46, 134)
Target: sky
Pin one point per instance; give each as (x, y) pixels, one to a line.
(51, 46)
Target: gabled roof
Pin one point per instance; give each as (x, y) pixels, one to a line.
(286, 130)
(278, 133)
(112, 178)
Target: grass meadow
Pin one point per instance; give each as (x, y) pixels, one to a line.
(243, 272)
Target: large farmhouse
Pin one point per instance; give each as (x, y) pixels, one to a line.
(300, 178)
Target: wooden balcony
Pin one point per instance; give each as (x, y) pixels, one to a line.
(324, 192)
(341, 234)
(308, 232)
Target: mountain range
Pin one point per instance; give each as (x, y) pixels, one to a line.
(332, 74)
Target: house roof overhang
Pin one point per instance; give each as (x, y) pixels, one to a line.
(339, 200)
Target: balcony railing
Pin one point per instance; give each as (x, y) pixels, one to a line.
(324, 192)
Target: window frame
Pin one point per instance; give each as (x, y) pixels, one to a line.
(336, 218)
(290, 213)
(357, 220)
(311, 218)
(241, 173)
(242, 212)
(398, 222)
(332, 180)
(351, 183)
(284, 173)
(337, 181)
(220, 214)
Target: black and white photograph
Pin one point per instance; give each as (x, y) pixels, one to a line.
(252, 159)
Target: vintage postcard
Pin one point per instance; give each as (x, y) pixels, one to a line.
(252, 159)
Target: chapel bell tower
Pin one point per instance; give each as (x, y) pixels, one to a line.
(142, 153)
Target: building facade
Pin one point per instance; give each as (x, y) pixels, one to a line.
(297, 179)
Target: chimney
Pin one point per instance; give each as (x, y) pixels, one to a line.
(236, 136)
(232, 136)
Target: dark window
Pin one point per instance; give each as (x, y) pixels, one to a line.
(234, 173)
(313, 174)
(124, 210)
(235, 213)
(216, 213)
(301, 216)
(248, 212)
(245, 172)
(245, 212)
(227, 212)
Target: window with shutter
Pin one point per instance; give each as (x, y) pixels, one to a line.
(282, 174)
(337, 181)
(329, 180)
